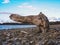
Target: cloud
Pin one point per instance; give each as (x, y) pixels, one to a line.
(6, 1)
(27, 6)
(26, 9)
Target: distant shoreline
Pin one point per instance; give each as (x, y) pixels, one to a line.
(51, 23)
(15, 24)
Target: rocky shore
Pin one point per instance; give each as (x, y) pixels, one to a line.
(29, 36)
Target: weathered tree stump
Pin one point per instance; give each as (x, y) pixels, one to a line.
(39, 20)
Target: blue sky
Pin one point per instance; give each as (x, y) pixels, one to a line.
(51, 8)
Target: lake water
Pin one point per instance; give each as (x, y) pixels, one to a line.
(15, 26)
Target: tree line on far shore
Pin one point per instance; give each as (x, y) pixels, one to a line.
(51, 23)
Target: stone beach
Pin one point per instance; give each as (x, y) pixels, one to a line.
(30, 36)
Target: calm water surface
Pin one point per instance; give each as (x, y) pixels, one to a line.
(15, 26)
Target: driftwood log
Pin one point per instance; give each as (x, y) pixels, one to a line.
(39, 20)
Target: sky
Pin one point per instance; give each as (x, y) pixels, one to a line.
(51, 8)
